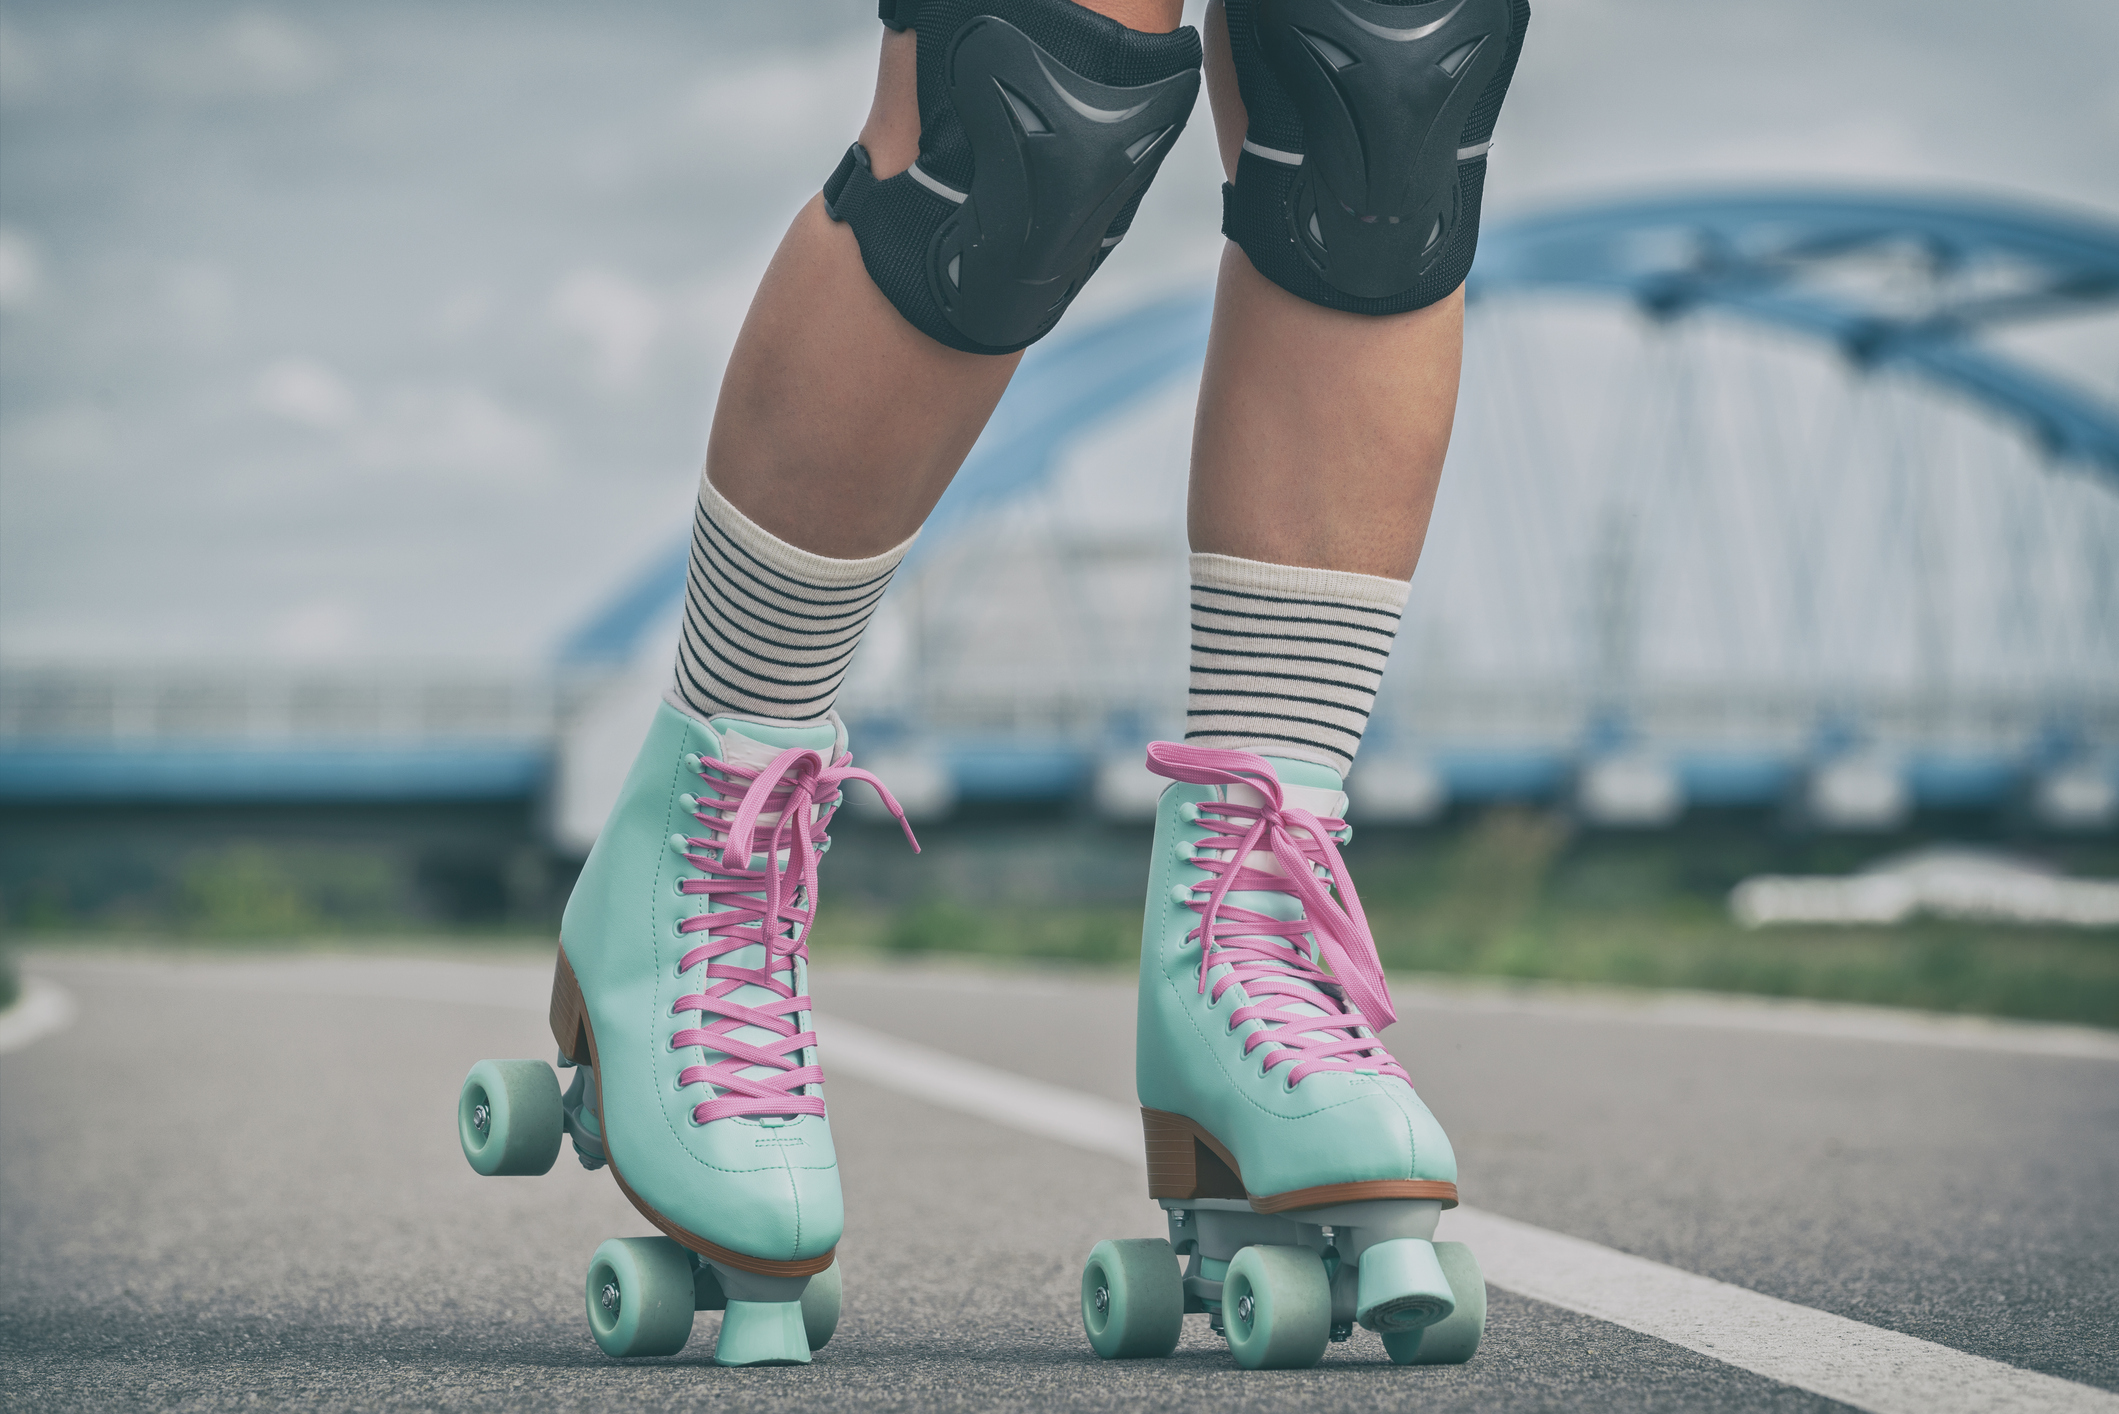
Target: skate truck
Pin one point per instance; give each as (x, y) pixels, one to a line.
(1300, 1175)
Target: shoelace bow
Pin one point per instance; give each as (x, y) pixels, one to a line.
(1266, 955)
(773, 905)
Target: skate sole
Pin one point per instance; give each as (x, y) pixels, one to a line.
(1184, 1161)
(577, 1041)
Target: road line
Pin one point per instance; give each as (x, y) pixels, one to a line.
(1715, 1011)
(41, 1008)
(1838, 1021)
(1878, 1370)
(1862, 1365)
(1001, 1096)
(1870, 1368)
(458, 981)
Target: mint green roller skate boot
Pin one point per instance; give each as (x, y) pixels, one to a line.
(1300, 1173)
(681, 999)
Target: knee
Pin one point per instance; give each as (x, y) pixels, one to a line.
(1366, 133)
(1041, 125)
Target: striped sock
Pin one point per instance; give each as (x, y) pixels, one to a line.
(768, 628)
(1286, 661)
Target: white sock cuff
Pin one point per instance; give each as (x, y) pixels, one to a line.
(792, 560)
(1258, 577)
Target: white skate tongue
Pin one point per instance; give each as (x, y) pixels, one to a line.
(741, 750)
(1324, 804)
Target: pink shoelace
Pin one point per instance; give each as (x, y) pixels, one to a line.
(773, 905)
(1266, 955)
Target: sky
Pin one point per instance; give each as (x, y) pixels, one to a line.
(391, 331)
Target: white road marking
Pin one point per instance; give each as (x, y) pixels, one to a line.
(510, 984)
(1001, 1096)
(40, 1009)
(1872, 1369)
(1781, 1016)
(1839, 1021)
(1877, 1370)
(1857, 1364)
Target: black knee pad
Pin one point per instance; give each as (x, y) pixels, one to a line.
(1041, 125)
(1358, 186)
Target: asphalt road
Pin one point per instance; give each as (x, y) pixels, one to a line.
(235, 1183)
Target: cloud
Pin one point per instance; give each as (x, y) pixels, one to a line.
(321, 628)
(305, 391)
(20, 73)
(201, 300)
(21, 273)
(615, 316)
(257, 54)
(453, 430)
(464, 313)
(74, 437)
(785, 107)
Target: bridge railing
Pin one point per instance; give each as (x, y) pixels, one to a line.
(244, 703)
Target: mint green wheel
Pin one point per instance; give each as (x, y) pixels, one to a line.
(1276, 1308)
(509, 1117)
(639, 1294)
(820, 1306)
(1455, 1338)
(1133, 1301)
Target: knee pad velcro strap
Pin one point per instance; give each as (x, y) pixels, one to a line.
(1041, 125)
(1358, 185)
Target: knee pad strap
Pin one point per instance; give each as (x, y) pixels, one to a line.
(1041, 125)
(1359, 182)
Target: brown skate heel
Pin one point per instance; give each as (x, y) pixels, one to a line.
(568, 1014)
(1184, 1161)
(570, 1018)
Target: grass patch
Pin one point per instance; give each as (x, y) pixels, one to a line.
(1518, 893)
(1510, 892)
(1107, 937)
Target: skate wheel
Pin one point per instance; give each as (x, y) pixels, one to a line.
(509, 1117)
(1455, 1338)
(820, 1306)
(1276, 1308)
(1133, 1301)
(639, 1294)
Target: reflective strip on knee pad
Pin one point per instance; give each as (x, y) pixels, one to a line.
(1041, 125)
(1359, 181)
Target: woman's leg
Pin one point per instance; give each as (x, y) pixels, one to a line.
(838, 428)
(1262, 1073)
(839, 424)
(1315, 459)
(681, 978)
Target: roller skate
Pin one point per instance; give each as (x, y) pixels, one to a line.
(1300, 1175)
(680, 1003)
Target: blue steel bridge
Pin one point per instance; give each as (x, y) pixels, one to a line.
(1761, 498)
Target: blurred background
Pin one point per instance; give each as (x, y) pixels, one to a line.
(355, 370)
